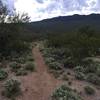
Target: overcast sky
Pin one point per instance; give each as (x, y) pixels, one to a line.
(42, 9)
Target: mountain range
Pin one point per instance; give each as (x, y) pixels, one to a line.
(63, 24)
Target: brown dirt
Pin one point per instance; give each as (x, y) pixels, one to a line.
(40, 84)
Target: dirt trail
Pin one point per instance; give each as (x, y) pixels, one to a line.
(40, 84)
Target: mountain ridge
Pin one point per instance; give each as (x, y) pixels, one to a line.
(66, 23)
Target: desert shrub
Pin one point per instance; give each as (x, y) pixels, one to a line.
(21, 60)
(12, 88)
(49, 60)
(3, 74)
(30, 66)
(79, 69)
(56, 73)
(69, 62)
(20, 46)
(65, 77)
(46, 52)
(98, 72)
(89, 90)
(55, 66)
(15, 66)
(21, 72)
(1, 65)
(80, 75)
(65, 93)
(91, 68)
(93, 78)
(30, 58)
(58, 53)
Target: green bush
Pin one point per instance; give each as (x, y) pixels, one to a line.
(15, 66)
(69, 62)
(30, 66)
(21, 60)
(93, 79)
(65, 77)
(12, 88)
(49, 60)
(21, 72)
(55, 66)
(46, 52)
(98, 72)
(80, 75)
(91, 68)
(20, 46)
(65, 93)
(79, 69)
(30, 58)
(3, 74)
(89, 90)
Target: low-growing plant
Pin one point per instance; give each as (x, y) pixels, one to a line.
(56, 73)
(79, 69)
(89, 90)
(69, 62)
(21, 60)
(98, 72)
(65, 93)
(3, 74)
(93, 78)
(65, 77)
(49, 60)
(80, 75)
(15, 66)
(91, 68)
(55, 66)
(12, 88)
(30, 66)
(21, 72)
(30, 58)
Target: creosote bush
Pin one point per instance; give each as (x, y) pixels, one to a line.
(65, 93)
(15, 66)
(89, 90)
(3, 74)
(21, 60)
(80, 75)
(93, 78)
(55, 66)
(21, 72)
(12, 88)
(30, 66)
(30, 58)
(65, 77)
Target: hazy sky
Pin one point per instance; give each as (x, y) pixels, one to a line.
(41, 9)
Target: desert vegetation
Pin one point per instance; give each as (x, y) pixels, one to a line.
(16, 58)
(65, 92)
(59, 66)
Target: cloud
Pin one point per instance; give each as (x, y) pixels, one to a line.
(42, 9)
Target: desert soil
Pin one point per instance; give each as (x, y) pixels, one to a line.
(40, 84)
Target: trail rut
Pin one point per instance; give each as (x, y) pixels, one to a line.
(40, 84)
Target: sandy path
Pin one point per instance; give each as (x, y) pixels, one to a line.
(40, 84)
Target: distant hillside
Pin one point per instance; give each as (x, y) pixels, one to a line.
(66, 23)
